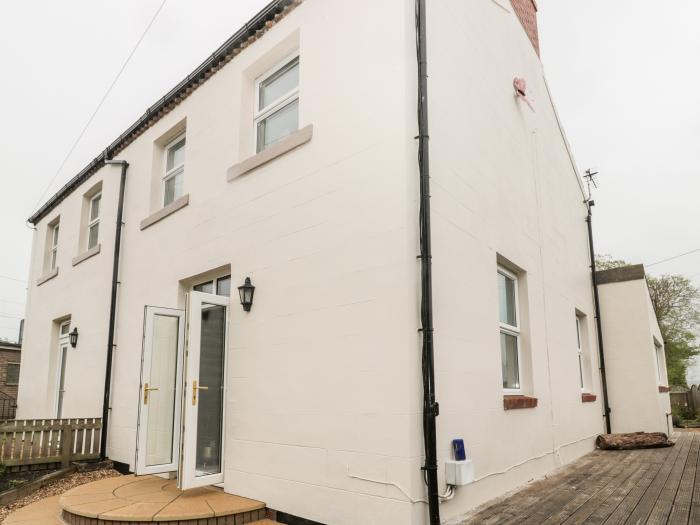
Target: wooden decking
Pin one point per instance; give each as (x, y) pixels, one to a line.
(654, 486)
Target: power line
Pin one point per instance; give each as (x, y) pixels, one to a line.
(104, 97)
(674, 257)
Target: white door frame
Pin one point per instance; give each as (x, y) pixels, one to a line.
(187, 477)
(144, 395)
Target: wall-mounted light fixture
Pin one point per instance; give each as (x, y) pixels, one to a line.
(74, 337)
(246, 292)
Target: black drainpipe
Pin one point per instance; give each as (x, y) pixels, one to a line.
(430, 406)
(599, 329)
(112, 305)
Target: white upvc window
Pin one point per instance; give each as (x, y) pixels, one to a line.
(660, 362)
(94, 221)
(509, 320)
(174, 170)
(579, 350)
(277, 103)
(54, 246)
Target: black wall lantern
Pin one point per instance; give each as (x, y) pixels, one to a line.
(246, 293)
(74, 337)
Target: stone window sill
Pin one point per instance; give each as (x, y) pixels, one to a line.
(86, 255)
(664, 390)
(165, 211)
(293, 141)
(588, 398)
(47, 277)
(517, 402)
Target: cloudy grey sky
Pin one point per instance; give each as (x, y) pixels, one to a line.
(623, 74)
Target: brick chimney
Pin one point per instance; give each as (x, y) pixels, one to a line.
(527, 13)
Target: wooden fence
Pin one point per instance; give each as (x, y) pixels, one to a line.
(40, 441)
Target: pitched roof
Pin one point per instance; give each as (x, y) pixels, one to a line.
(246, 35)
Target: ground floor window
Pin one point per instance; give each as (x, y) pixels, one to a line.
(509, 330)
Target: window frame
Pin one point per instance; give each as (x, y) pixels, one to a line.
(659, 351)
(53, 252)
(6, 373)
(175, 171)
(512, 330)
(214, 285)
(94, 222)
(579, 348)
(261, 114)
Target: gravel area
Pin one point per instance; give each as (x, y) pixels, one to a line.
(58, 487)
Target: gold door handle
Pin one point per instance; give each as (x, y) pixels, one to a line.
(194, 391)
(146, 390)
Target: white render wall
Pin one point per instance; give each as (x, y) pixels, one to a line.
(324, 373)
(503, 185)
(80, 292)
(629, 329)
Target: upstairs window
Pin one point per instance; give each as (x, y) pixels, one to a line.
(277, 104)
(509, 330)
(94, 221)
(54, 247)
(174, 170)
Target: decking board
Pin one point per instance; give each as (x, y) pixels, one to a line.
(652, 487)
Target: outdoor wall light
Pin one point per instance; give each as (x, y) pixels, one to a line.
(246, 294)
(74, 337)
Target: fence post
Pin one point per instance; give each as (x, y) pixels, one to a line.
(66, 444)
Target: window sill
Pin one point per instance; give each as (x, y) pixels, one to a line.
(47, 277)
(165, 211)
(517, 402)
(293, 141)
(588, 398)
(86, 255)
(664, 389)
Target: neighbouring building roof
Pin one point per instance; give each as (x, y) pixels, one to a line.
(6, 345)
(618, 275)
(245, 36)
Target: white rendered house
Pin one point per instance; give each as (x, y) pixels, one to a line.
(289, 158)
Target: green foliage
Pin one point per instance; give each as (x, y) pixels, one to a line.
(679, 350)
(606, 262)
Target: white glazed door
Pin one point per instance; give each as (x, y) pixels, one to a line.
(205, 391)
(160, 400)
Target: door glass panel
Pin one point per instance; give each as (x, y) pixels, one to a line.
(61, 381)
(162, 396)
(211, 393)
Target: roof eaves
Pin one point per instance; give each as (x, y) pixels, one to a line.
(245, 36)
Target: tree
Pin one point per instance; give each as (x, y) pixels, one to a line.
(606, 262)
(675, 300)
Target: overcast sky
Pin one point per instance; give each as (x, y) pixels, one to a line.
(623, 74)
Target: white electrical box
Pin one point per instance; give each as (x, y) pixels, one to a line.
(459, 473)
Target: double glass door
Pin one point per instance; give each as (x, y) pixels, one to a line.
(182, 416)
